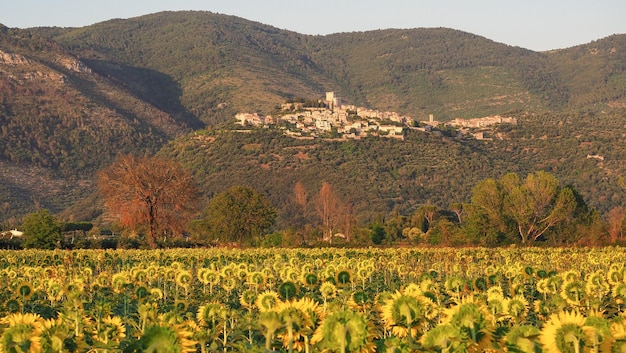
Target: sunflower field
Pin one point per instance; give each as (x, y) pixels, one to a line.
(314, 300)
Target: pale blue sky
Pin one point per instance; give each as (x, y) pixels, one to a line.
(532, 24)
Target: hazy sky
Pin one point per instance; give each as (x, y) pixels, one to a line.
(532, 24)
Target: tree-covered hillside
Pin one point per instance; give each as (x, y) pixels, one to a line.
(381, 175)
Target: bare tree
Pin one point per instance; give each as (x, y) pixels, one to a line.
(329, 208)
(149, 192)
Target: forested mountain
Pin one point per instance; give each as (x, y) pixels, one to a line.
(72, 98)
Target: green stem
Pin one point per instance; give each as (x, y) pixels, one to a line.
(290, 335)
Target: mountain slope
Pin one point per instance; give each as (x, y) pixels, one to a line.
(595, 73)
(59, 122)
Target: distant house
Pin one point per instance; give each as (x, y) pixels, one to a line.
(595, 156)
(12, 233)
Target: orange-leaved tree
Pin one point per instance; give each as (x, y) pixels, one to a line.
(149, 193)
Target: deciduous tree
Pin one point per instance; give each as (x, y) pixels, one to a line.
(534, 205)
(239, 214)
(41, 230)
(538, 204)
(149, 193)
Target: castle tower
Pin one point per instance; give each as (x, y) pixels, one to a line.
(330, 100)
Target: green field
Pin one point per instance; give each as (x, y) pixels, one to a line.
(314, 300)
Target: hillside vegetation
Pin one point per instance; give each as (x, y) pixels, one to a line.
(73, 98)
(377, 175)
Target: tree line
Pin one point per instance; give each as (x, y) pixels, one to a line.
(155, 203)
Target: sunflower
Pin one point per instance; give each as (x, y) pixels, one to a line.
(599, 330)
(147, 315)
(619, 293)
(543, 287)
(228, 283)
(255, 279)
(564, 332)
(103, 279)
(309, 279)
(454, 285)
(201, 273)
(359, 301)
(156, 294)
(166, 338)
(412, 289)
(473, 320)
(210, 314)
(615, 275)
(24, 291)
(330, 270)
(618, 336)
(241, 273)
(570, 276)
(228, 271)
(517, 307)
(497, 307)
(443, 338)
(573, 292)
(184, 278)
(495, 292)
(522, 339)
(404, 315)
(480, 284)
(112, 330)
(210, 277)
(270, 322)
(344, 331)
(54, 335)
(297, 321)
(595, 285)
(267, 301)
(247, 298)
(119, 281)
(363, 274)
(328, 291)
(12, 305)
(290, 274)
(287, 290)
(139, 275)
(180, 306)
(428, 285)
(23, 334)
(343, 277)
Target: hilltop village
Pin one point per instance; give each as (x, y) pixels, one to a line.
(330, 118)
